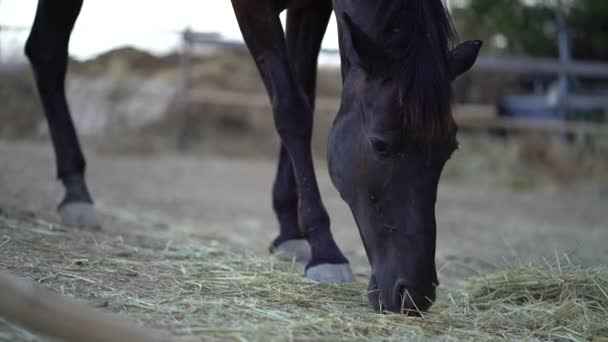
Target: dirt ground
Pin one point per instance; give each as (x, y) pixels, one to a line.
(187, 198)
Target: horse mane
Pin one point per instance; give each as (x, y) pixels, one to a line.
(416, 39)
(426, 92)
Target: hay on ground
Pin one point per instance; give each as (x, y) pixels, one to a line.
(211, 292)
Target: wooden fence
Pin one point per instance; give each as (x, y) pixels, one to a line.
(480, 117)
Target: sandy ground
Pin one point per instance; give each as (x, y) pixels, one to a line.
(188, 198)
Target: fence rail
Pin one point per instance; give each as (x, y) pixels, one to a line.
(479, 117)
(542, 66)
(486, 63)
(466, 116)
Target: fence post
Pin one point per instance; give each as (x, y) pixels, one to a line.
(186, 68)
(565, 58)
(184, 95)
(1, 57)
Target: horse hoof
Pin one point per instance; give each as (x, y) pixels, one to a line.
(330, 273)
(290, 249)
(79, 214)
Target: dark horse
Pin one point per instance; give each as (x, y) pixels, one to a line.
(389, 142)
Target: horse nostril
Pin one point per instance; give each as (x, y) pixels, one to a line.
(373, 295)
(410, 302)
(375, 202)
(401, 295)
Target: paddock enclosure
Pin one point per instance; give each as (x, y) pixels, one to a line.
(181, 178)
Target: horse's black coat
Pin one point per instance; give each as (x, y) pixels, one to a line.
(389, 142)
(47, 49)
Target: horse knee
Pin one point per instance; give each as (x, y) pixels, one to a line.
(34, 54)
(293, 119)
(47, 60)
(47, 44)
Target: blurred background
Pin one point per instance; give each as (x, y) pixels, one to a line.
(177, 128)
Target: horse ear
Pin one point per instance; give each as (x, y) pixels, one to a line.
(463, 57)
(365, 50)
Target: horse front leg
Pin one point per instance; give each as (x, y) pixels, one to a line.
(47, 50)
(292, 111)
(305, 29)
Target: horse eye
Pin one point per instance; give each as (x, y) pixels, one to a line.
(380, 146)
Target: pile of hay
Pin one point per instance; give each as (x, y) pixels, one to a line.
(213, 293)
(552, 301)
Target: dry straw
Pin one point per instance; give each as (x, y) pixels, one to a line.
(213, 293)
